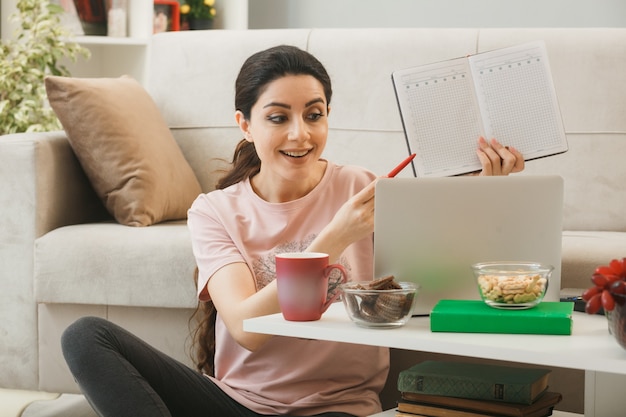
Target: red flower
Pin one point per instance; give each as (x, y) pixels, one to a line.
(607, 280)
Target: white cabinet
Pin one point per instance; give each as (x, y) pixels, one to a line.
(112, 57)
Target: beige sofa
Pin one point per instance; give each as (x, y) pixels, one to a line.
(62, 257)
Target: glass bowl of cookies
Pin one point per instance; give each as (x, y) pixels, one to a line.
(512, 285)
(381, 303)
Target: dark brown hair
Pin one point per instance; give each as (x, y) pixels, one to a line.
(203, 336)
(257, 72)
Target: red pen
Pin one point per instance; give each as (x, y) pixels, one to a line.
(401, 166)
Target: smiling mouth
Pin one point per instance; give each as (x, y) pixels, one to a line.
(295, 154)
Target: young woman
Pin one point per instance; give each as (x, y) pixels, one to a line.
(279, 196)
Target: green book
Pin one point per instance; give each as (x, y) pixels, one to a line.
(475, 381)
(474, 316)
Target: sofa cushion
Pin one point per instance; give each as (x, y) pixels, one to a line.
(111, 264)
(125, 148)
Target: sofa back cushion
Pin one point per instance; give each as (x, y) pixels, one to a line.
(196, 98)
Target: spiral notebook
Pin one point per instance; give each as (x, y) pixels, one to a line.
(507, 94)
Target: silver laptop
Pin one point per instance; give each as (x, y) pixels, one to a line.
(430, 230)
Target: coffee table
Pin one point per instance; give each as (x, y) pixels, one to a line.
(590, 348)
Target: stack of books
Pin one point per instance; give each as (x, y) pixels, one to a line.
(459, 389)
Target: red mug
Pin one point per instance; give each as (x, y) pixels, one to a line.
(302, 280)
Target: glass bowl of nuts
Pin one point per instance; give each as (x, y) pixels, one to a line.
(512, 285)
(382, 303)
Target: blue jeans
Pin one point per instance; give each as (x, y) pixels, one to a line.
(121, 375)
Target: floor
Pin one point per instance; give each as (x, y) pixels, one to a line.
(13, 402)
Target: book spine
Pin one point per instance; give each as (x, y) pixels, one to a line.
(461, 387)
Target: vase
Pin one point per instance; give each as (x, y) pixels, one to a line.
(200, 24)
(617, 319)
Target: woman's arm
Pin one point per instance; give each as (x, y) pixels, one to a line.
(233, 292)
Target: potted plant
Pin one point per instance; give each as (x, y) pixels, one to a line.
(36, 50)
(199, 14)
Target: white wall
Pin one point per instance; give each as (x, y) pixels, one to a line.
(436, 13)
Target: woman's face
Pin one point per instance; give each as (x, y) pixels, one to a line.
(289, 125)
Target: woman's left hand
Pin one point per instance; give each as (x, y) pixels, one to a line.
(497, 159)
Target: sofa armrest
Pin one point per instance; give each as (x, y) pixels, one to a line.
(44, 185)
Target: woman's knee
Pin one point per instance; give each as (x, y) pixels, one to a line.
(80, 334)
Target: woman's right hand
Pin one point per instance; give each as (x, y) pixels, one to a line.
(353, 221)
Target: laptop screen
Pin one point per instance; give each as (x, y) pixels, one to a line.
(431, 230)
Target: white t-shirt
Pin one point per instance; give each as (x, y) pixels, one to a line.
(287, 375)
